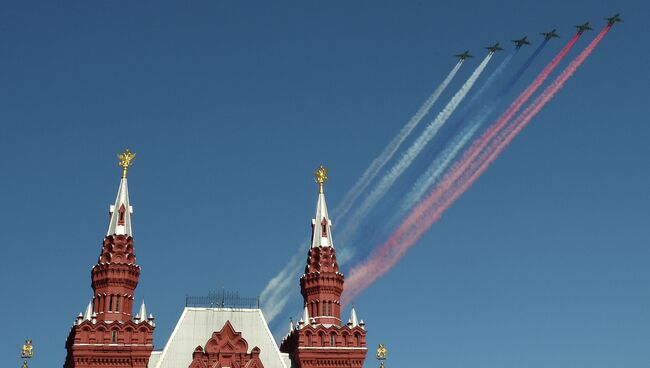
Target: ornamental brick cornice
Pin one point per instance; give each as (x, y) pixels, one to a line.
(321, 259)
(117, 249)
(88, 335)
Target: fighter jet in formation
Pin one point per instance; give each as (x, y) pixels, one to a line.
(614, 19)
(549, 35)
(521, 42)
(583, 27)
(464, 55)
(494, 48)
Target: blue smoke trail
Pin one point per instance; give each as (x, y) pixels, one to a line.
(515, 78)
(440, 164)
(490, 80)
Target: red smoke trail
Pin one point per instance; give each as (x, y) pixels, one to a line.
(507, 135)
(427, 212)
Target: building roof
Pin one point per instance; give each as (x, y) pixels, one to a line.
(196, 325)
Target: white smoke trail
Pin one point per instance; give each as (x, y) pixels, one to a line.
(392, 147)
(276, 293)
(407, 158)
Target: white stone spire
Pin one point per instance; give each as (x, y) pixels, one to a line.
(305, 317)
(353, 318)
(143, 312)
(321, 223)
(121, 211)
(89, 311)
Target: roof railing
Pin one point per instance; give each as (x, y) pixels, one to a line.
(222, 299)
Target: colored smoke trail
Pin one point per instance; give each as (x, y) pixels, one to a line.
(431, 209)
(477, 147)
(519, 102)
(440, 164)
(392, 147)
(505, 137)
(275, 295)
(412, 152)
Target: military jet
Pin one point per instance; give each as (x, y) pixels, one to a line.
(549, 35)
(614, 19)
(464, 55)
(521, 42)
(584, 27)
(494, 48)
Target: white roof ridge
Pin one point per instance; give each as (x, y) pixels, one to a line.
(270, 335)
(171, 338)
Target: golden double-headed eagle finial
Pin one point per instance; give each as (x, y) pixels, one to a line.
(27, 352)
(382, 352)
(320, 176)
(125, 161)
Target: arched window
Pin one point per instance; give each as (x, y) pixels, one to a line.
(114, 337)
(332, 340)
(110, 303)
(122, 210)
(324, 227)
(117, 303)
(346, 339)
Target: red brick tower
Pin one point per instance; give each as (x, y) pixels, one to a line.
(320, 339)
(108, 334)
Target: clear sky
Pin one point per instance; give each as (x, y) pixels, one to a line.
(231, 105)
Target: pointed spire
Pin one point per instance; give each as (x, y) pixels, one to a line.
(353, 317)
(321, 223)
(143, 312)
(121, 211)
(89, 311)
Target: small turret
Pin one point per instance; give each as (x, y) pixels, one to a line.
(143, 312)
(89, 311)
(353, 317)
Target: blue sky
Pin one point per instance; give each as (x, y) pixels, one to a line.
(231, 105)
